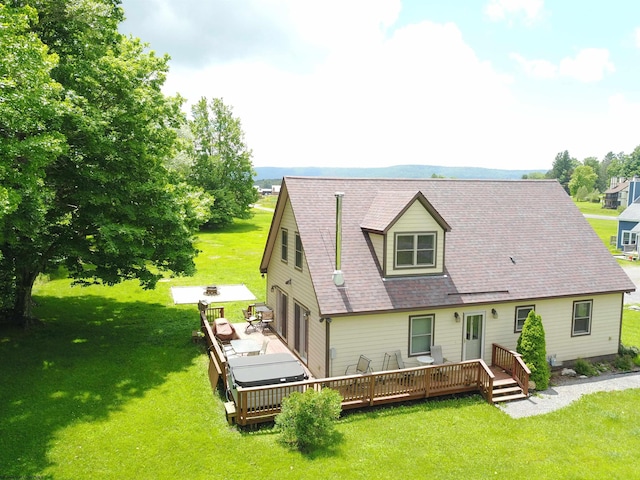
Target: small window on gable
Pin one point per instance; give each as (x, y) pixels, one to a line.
(420, 334)
(298, 251)
(581, 318)
(415, 250)
(521, 315)
(284, 246)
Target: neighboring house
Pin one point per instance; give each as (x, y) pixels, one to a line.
(621, 192)
(455, 263)
(629, 227)
(616, 195)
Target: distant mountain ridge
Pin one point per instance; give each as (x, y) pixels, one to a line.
(397, 171)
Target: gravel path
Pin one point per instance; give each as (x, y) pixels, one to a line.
(633, 271)
(560, 396)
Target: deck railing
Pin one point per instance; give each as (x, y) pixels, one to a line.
(217, 359)
(511, 362)
(261, 404)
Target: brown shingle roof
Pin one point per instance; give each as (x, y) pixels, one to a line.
(508, 241)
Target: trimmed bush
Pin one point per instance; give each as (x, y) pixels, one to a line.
(532, 346)
(307, 419)
(584, 367)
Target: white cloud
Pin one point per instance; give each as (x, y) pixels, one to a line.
(377, 96)
(536, 68)
(498, 10)
(589, 65)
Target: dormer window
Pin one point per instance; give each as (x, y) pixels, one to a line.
(415, 250)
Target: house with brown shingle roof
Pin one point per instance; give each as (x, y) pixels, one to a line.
(369, 266)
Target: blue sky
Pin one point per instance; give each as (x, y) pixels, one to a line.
(357, 83)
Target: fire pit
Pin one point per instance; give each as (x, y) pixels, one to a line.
(211, 290)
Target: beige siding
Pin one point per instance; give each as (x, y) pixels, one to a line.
(378, 246)
(376, 334)
(416, 219)
(299, 290)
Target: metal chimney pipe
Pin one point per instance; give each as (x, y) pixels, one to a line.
(338, 278)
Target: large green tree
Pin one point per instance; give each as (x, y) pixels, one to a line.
(582, 176)
(632, 164)
(106, 209)
(562, 169)
(221, 161)
(30, 107)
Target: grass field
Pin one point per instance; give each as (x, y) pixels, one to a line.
(111, 386)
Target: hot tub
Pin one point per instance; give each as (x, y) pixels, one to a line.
(259, 370)
(262, 370)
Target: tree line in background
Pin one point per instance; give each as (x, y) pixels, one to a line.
(101, 175)
(586, 180)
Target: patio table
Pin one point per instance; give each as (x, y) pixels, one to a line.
(245, 346)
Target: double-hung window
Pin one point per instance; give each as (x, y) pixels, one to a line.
(415, 250)
(521, 315)
(420, 334)
(284, 245)
(298, 251)
(581, 318)
(628, 237)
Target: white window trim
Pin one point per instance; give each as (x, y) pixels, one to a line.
(415, 250)
(297, 240)
(632, 238)
(284, 245)
(573, 318)
(515, 321)
(432, 317)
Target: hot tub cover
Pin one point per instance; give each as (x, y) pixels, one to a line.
(259, 370)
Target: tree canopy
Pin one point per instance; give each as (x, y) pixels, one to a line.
(221, 161)
(85, 132)
(583, 176)
(562, 169)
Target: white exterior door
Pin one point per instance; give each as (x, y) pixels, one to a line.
(473, 339)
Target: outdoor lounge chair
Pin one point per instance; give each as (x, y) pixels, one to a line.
(363, 366)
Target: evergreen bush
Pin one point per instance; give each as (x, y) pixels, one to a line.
(533, 348)
(584, 367)
(306, 420)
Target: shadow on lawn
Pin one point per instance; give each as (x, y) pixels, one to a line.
(89, 358)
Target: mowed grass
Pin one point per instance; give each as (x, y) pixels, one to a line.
(111, 386)
(595, 209)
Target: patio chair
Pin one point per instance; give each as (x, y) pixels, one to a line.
(388, 364)
(226, 348)
(363, 366)
(436, 353)
(250, 318)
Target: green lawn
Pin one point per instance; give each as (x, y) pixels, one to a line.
(111, 386)
(595, 209)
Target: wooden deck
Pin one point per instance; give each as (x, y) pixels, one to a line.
(506, 379)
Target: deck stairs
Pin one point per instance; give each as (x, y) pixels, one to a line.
(506, 390)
